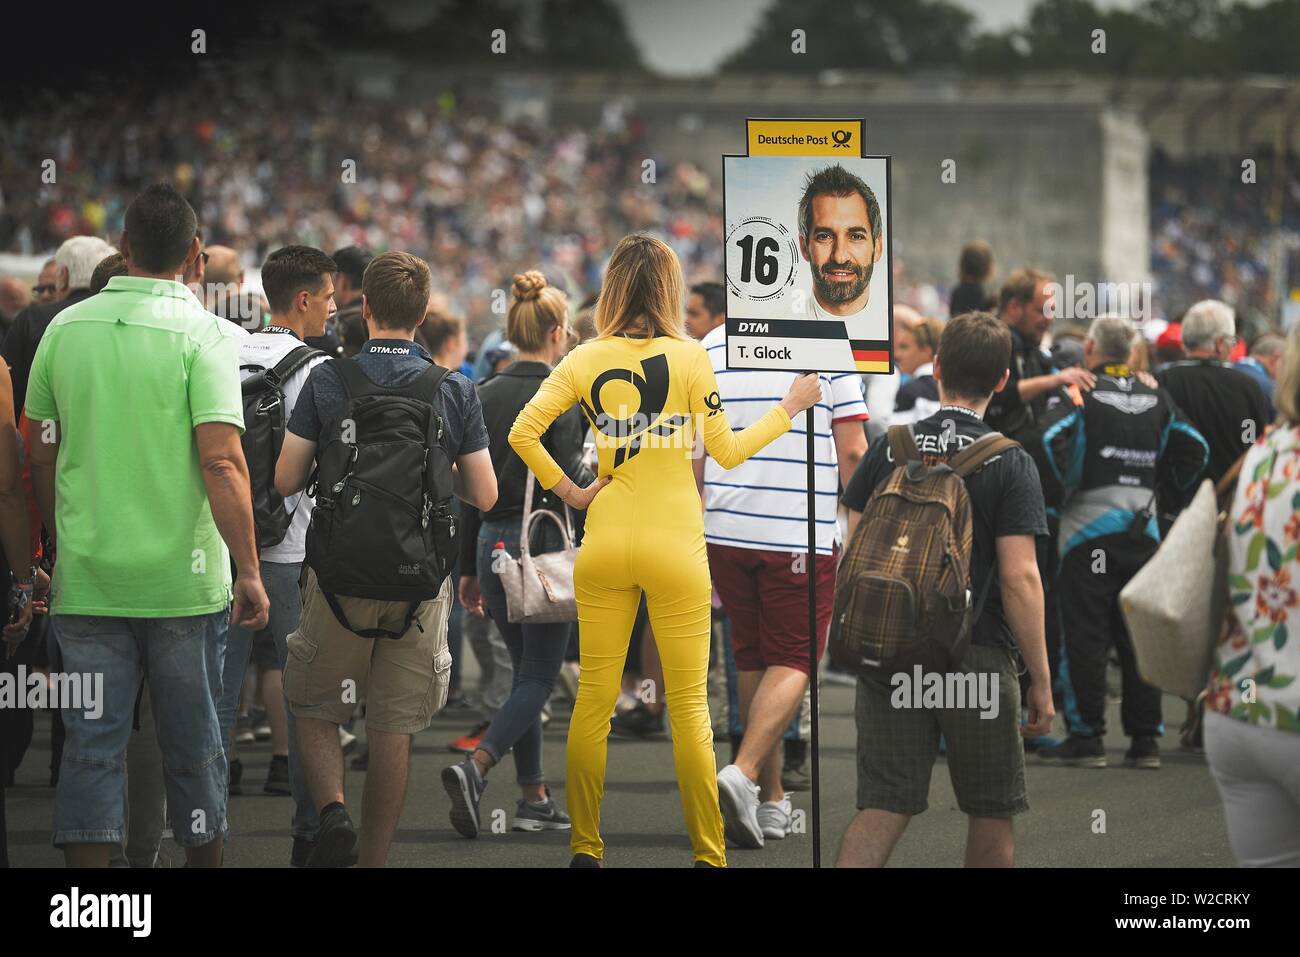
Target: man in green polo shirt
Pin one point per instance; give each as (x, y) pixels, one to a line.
(136, 414)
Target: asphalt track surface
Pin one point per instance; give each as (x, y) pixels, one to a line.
(1168, 818)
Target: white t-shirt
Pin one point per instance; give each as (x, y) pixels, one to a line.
(817, 312)
(265, 349)
(762, 503)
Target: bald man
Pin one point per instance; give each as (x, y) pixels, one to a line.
(14, 298)
(224, 292)
(224, 267)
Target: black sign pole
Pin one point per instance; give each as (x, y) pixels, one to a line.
(812, 638)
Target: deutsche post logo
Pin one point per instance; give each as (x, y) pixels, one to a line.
(841, 138)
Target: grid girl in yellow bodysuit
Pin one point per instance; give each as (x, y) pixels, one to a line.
(647, 390)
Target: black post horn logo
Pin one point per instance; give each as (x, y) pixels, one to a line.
(653, 390)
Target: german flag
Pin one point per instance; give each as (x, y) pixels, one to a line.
(870, 355)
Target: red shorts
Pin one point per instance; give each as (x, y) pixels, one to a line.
(767, 602)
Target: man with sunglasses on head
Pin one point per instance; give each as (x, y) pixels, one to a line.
(75, 263)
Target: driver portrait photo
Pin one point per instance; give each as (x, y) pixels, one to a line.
(840, 239)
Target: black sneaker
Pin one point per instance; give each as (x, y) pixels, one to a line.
(585, 860)
(464, 785)
(637, 723)
(236, 775)
(1144, 753)
(302, 848)
(277, 775)
(1077, 752)
(336, 842)
(794, 769)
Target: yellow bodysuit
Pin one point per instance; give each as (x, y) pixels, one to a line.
(647, 399)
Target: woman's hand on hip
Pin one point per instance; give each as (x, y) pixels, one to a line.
(576, 497)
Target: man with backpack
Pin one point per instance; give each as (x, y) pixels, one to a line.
(275, 364)
(394, 437)
(942, 577)
(1118, 453)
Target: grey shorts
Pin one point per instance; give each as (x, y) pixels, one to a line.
(899, 725)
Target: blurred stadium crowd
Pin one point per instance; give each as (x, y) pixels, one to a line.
(481, 198)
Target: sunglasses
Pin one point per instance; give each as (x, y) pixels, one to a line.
(42, 290)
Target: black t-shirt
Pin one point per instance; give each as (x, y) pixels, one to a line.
(1225, 405)
(1005, 497)
(969, 297)
(1007, 412)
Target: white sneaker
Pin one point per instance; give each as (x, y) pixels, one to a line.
(738, 798)
(774, 817)
(346, 739)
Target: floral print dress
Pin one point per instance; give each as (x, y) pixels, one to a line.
(1257, 661)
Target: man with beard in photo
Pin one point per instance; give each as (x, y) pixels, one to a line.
(839, 235)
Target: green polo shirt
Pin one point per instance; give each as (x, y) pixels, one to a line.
(128, 374)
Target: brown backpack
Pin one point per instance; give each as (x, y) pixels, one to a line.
(903, 591)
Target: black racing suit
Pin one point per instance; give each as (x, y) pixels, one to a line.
(1118, 452)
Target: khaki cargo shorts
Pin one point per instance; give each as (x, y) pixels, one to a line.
(403, 681)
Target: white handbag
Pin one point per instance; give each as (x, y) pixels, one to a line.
(539, 588)
(1174, 605)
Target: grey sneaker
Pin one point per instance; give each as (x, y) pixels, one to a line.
(774, 818)
(465, 787)
(738, 798)
(546, 816)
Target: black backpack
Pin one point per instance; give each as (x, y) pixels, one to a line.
(383, 525)
(265, 418)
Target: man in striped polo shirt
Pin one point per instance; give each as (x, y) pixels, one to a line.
(755, 523)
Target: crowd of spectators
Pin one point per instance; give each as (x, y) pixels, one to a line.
(478, 198)
(1211, 238)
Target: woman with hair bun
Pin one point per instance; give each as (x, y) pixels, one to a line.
(538, 327)
(649, 391)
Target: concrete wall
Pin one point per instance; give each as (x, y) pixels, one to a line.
(1037, 180)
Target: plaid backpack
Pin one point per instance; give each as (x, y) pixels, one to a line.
(903, 590)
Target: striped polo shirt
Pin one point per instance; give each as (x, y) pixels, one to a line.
(762, 503)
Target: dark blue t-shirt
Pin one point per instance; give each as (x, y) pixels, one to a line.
(322, 400)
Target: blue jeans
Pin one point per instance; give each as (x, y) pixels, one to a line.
(735, 726)
(280, 580)
(537, 652)
(182, 659)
